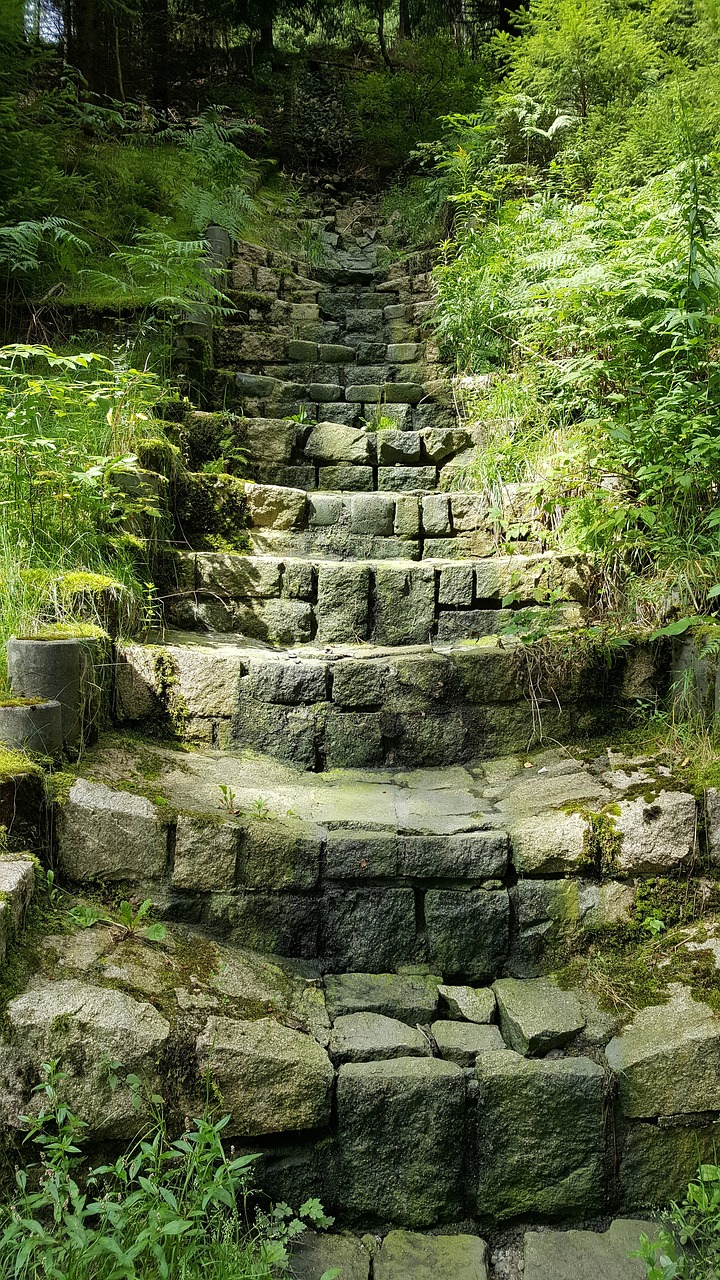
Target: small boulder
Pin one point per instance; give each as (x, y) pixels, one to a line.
(272, 1078)
(314, 1254)
(587, 1255)
(461, 1042)
(271, 506)
(368, 1037)
(668, 1059)
(110, 835)
(474, 1004)
(536, 1016)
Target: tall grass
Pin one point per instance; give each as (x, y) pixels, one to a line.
(70, 497)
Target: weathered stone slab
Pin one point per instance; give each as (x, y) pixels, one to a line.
(271, 506)
(367, 928)
(279, 853)
(540, 1136)
(467, 931)
(657, 835)
(657, 1161)
(547, 843)
(360, 855)
(536, 1016)
(405, 604)
(407, 1255)
(395, 445)
(587, 1255)
(474, 1004)
(110, 835)
(206, 853)
(472, 855)
(400, 1128)
(335, 442)
(273, 1079)
(313, 1255)
(461, 1042)
(85, 1027)
(668, 1059)
(372, 513)
(288, 683)
(411, 998)
(343, 603)
(237, 576)
(371, 1037)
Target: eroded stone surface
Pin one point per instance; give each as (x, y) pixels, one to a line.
(587, 1255)
(110, 835)
(474, 1004)
(273, 1079)
(536, 1016)
(400, 1126)
(540, 1136)
(411, 998)
(407, 1255)
(367, 1037)
(314, 1254)
(461, 1042)
(668, 1059)
(84, 1027)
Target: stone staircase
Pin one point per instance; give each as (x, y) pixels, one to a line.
(326, 793)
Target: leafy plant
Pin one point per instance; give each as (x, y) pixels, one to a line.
(687, 1246)
(171, 1208)
(228, 800)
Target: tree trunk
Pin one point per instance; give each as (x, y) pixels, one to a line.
(266, 43)
(381, 34)
(156, 22)
(405, 25)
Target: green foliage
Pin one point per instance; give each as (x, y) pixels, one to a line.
(687, 1246)
(166, 1208)
(69, 492)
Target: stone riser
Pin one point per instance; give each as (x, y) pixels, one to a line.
(294, 601)
(414, 708)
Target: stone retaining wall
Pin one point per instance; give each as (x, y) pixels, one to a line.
(296, 600)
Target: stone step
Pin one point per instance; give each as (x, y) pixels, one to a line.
(588, 1255)
(361, 1135)
(258, 395)
(18, 872)
(456, 525)
(357, 704)
(361, 870)
(286, 599)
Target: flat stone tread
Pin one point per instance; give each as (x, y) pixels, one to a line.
(587, 1255)
(416, 800)
(234, 643)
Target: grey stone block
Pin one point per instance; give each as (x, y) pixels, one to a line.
(325, 392)
(407, 516)
(404, 352)
(402, 392)
(372, 513)
(110, 835)
(334, 353)
(314, 1255)
(372, 1037)
(273, 1079)
(467, 931)
(349, 478)
(205, 853)
(363, 393)
(412, 998)
(407, 1255)
(343, 603)
(472, 855)
(334, 442)
(298, 582)
(540, 1136)
(360, 855)
(283, 924)
(474, 1004)
(368, 928)
(456, 585)
(288, 681)
(396, 1120)
(536, 1016)
(278, 854)
(237, 576)
(270, 506)
(299, 350)
(461, 1042)
(585, 1255)
(359, 684)
(397, 446)
(324, 509)
(353, 740)
(406, 479)
(405, 604)
(436, 514)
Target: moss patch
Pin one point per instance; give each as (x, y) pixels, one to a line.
(13, 763)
